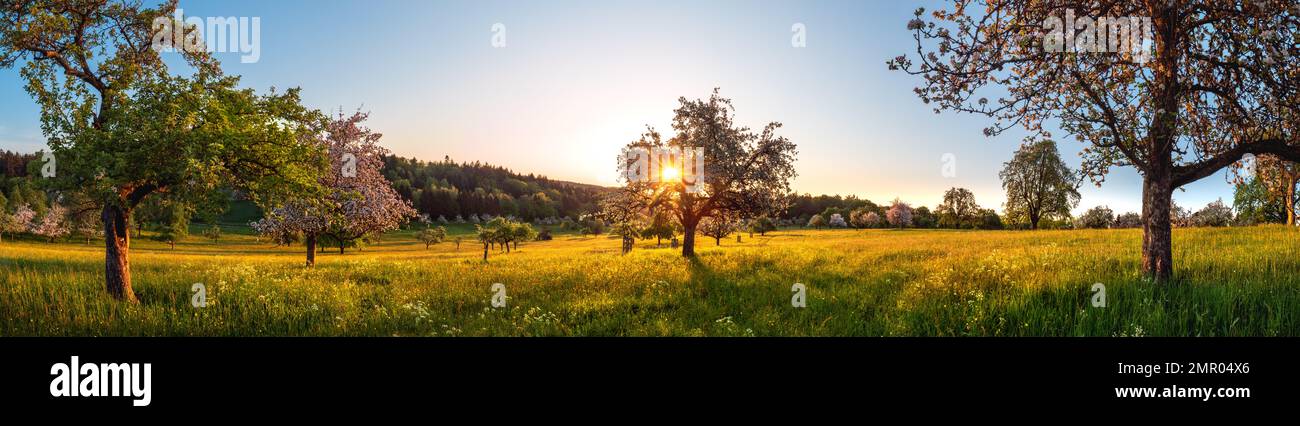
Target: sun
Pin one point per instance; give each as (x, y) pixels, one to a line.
(670, 174)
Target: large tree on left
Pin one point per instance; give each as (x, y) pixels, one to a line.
(123, 128)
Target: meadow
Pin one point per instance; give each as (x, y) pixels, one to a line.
(911, 282)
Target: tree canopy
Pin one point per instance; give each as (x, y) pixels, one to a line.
(1175, 89)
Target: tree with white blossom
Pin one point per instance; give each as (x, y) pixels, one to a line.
(18, 222)
(53, 225)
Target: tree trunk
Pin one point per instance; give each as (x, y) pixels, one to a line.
(1157, 183)
(311, 250)
(117, 263)
(485, 250)
(688, 238)
(1290, 202)
(1157, 237)
(341, 244)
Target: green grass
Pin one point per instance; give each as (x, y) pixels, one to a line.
(1231, 282)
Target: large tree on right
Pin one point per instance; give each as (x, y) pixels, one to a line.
(1205, 83)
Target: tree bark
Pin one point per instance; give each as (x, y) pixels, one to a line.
(1290, 202)
(117, 263)
(1157, 234)
(311, 250)
(688, 238)
(1158, 179)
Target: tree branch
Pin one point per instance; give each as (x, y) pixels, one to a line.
(1193, 172)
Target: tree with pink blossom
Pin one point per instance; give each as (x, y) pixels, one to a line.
(899, 214)
(53, 225)
(18, 222)
(357, 199)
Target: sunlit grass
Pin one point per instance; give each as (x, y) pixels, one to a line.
(1232, 281)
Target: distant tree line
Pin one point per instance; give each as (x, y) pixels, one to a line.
(449, 190)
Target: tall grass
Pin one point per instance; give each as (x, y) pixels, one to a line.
(1231, 282)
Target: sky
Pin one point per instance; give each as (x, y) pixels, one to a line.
(577, 80)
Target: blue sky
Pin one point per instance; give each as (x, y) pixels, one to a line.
(577, 80)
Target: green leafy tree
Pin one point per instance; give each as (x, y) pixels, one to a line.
(923, 218)
(1280, 177)
(1100, 217)
(522, 232)
(1039, 184)
(1255, 204)
(6, 221)
(123, 128)
(959, 209)
(662, 226)
(762, 226)
(213, 233)
(430, 236)
(176, 226)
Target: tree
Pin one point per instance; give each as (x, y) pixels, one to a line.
(1280, 177)
(817, 221)
(1255, 204)
(959, 209)
(989, 219)
(173, 231)
(21, 220)
(717, 227)
(858, 218)
(123, 128)
(923, 218)
(1128, 220)
(356, 200)
(837, 221)
(1100, 217)
(662, 225)
(1214, 214)
(899, 214)
(7, 221)
(1199, 85)
(1038, 183)
(430, 236)
(623, 211)
(494, 232)
(762, 226)
(213, 233)
(53, 225)
(746, 173)
(1178, 216)
(522, 231)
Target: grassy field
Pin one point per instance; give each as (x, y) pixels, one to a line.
(1232, 282)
